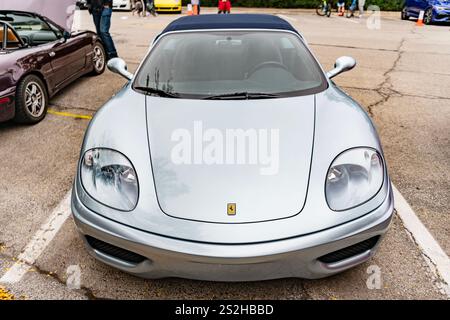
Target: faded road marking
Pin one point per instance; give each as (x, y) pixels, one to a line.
(423, 238)
(70, 115)
(39, 242)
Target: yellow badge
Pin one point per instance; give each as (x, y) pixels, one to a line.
(231, 209)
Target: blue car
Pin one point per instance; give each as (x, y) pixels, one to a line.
(435, 10)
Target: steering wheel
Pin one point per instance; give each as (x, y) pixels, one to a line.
(266, 64)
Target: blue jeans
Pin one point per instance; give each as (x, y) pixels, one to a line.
(102, 23)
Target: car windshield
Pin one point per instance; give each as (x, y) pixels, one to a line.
(24, 21)
(32, 29)
(231, 64)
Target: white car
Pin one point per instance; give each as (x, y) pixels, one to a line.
(122, 5)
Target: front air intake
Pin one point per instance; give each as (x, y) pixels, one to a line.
(351, 251)
(114, 251)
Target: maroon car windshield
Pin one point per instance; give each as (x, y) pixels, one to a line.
(59, 11)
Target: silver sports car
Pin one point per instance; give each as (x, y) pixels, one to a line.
(231, 156)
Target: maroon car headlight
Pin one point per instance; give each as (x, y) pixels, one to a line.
(109, 177)
(354, 177)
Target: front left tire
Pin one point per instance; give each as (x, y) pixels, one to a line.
(428, 17)
(31, 100)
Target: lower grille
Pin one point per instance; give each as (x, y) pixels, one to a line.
(114, 251)
(351, 251)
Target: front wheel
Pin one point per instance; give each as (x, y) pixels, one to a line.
(321, 9)
(428, 17)
(31, 100)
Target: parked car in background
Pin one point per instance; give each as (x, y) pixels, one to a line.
(174, 6)
(122, 5)
(37, 59)
(82, 4)
(435, 10)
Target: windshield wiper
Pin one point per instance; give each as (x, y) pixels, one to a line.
(158, 92)
(242, 96)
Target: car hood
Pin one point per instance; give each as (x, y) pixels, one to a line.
(59, 11)
(231, 161)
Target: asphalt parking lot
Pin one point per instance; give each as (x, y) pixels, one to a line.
(402, 79)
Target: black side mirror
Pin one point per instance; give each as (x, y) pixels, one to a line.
(25, 41)
(66, 35)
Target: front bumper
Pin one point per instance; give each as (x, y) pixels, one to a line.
(7, 105)
(123, 5)
(295, 257)
(168, 9)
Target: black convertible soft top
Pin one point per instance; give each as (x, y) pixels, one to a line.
(229, 21)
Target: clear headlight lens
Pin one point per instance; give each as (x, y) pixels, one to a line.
(109, 177)
(354, 177)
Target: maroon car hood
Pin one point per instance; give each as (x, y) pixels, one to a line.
(59, 11)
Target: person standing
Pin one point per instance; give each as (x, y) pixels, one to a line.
(341, 7)
(224, 6)
(196, 3)
(101, 11)
(361, 4)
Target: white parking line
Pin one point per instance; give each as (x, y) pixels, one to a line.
(39, 242)
(352, 21)
(423, 238)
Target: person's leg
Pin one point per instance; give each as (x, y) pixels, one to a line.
(361, 4)
(105, 25)
(142, 13)
(97, 18)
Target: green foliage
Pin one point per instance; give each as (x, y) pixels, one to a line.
(387, 5)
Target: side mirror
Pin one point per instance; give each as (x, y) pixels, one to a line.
(25, 41)
(67, 35)
(119, 66)
(342, 64)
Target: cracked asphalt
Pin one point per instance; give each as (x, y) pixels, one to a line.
(402, 79)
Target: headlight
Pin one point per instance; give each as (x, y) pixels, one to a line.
(354, 177)
(109, 177)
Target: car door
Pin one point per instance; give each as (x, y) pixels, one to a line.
(68, 57)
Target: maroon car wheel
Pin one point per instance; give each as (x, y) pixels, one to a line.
(98, 59)
(31, 100)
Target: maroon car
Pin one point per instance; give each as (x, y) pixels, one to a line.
(37, 59)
